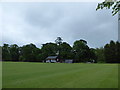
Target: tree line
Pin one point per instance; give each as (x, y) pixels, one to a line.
(79, 52)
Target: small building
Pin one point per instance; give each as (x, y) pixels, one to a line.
(69, 61)
(52, 59)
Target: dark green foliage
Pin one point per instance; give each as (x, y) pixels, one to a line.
(109, 54)
(49, 49)
(0, 53)
(82, 52)
(115, 5)
(92, 55)
(6, 56)
(118, 51)
(65, 51)
(29, 53)
(112, 52)
(41, 57)
(100, 55)
(14, 52)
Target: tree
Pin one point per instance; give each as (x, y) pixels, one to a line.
(108, 4)
(6, 52)
(29, 53)
(42, 56)
(14, 52)
(38, 55)
(118, 51)
(106, 52)
(58, 40)
(112, 52)
(65, 51)
(83, 41)
(0, 53)
(81, 51)
(49, 49)
(100, 55)
(92, 55)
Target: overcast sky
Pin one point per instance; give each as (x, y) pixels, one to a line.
(38, 23)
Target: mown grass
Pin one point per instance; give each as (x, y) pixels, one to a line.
(0, 75)
(59, 75)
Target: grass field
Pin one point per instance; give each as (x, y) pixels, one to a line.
(0, 75)
(59, 75)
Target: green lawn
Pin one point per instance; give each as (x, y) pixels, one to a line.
(0, 75)
(59, 75)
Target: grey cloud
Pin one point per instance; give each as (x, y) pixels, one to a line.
(43, 22)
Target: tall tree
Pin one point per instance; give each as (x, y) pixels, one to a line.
(65, 51)
(29, 53)
(112, 52)
(92, 55)
(14, 51)
(100, 55)
(6, 56)
(49, 49)
(58, 40)
(118, 51)
(81, 51)
(107, 52)
(0, 53)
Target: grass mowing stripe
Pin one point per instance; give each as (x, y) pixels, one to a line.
(59, 75)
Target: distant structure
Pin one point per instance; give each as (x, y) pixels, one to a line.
(52, 59)
(119, 26)
(69, 61)
(55, 59)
